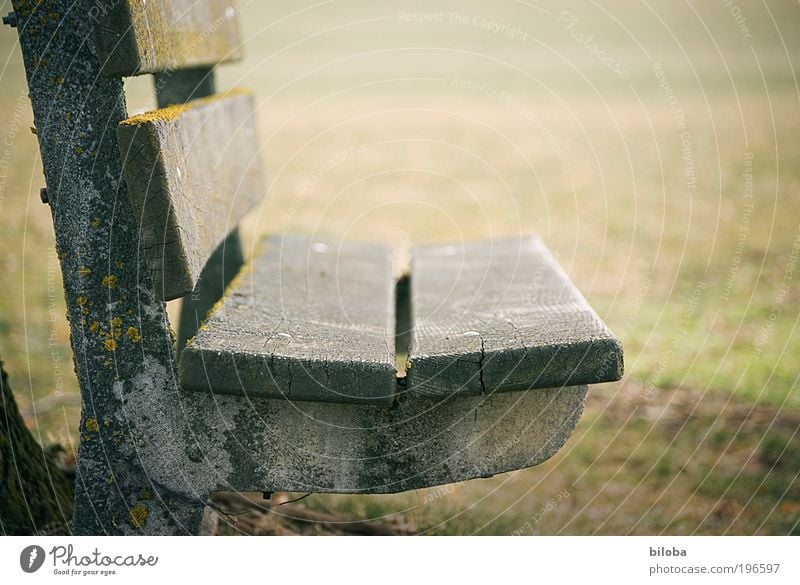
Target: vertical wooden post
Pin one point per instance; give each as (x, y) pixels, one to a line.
(121, 340)
(180, 86)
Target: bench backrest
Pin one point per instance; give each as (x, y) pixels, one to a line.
(140, 36)
(193, 168)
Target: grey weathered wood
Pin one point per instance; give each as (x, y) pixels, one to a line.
(501, 315)
(177, 87)
(193, 170)
(118, 329)
(311, 321)
(139, 36)
(234, 444)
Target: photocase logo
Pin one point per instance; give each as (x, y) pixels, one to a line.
(31, 558)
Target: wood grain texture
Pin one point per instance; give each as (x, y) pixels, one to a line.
(133, 37)
(501, 315)
(310, 321)
(193, 170)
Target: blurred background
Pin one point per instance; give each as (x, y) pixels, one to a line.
(655, 150)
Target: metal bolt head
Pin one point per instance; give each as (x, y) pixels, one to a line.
(11, 19)
(43, 195)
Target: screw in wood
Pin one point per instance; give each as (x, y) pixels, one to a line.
(11, 19)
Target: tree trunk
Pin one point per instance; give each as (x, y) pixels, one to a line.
(35, 496)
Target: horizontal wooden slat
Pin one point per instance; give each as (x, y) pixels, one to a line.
(501, 315)
(193, 170)
(140, 36)
(310, 321)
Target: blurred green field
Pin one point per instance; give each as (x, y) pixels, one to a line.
(658, 159)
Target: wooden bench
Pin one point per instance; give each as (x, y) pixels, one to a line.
(290, 384)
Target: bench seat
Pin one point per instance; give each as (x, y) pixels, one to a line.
(315, 321)
(309, 320)
(501, 315)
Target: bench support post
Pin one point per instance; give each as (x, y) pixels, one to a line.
(120, 335)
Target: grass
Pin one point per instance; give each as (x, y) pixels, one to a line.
(383, 129)
(679, 462)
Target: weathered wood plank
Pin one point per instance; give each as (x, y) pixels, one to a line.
(277, 445)
(223, 265)
(136, 36)
(202, 443)
(501, 315)
(310, 321)
(193, 170)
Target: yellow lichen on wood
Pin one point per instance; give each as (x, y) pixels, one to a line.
(84, 271)
(116, 328)
(173, 112)
(109, 344)
(92, 425)
(109, 281)
(138, 515)
(165, 42)
(133, 334)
